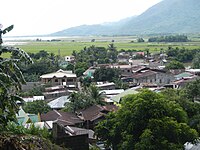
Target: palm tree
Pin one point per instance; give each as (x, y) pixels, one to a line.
(96, 96)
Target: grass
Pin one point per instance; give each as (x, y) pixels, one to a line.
(66, 47)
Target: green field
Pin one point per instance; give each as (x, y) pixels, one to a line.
(66, 46)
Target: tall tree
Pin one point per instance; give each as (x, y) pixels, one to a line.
(175, 65)
(147, 120)
(193, 90)
(196, 61)
(94, 93)
(87, 97)
(106, 74)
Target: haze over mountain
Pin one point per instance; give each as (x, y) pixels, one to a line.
(168, 16)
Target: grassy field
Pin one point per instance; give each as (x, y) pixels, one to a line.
(66, 46)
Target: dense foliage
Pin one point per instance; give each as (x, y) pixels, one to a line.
(139, 40)
(192, 90)
(11, 79)
(147, 120)
(44, 62)
(84, 99)
(175, 65)
(106, 74)
(181, 54)
(185, 98)
(196, 61)
(94, 55)
(171, 38)
(35, 107)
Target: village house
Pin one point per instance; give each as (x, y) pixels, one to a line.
(55, 92)
(72, 137)
(105, 86)
(126, 70)
(155, 76)
(194, 71)
(90, 72)
(92, 115)
(61, 77)
(123, 57)
(63, 118)
(70, 59)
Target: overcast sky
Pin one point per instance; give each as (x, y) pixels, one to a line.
(36, 17)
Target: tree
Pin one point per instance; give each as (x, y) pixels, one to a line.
(87, 97)
(94, 93)
(35, 107)
(171, 38)
(196, 61)
(86, 81)
(106, 74)
(11, 79)
(139, 40)
(175, 65)
(70, 67)
(112, 53)
(193, 90)
(147, 120)
(185, 100)
(80, 67)
(77, 101)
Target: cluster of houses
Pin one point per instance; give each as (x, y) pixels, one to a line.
(76, 130)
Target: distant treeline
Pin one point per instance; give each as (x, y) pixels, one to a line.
(171, 38)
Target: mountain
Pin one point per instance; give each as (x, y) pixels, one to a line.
(109, 28)
(168, 16)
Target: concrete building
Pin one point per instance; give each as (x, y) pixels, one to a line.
(61, 77)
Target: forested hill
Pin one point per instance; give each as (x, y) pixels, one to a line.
(168, 16)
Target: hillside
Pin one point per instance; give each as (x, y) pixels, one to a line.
(168, 16)
(98, 29)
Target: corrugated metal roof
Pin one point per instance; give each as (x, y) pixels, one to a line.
(59, 102)
(118, 97)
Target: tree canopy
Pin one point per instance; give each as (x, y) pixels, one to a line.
(87, 97)
(171, 38)
(147, 120)
(106, 74)
(35, 107)
(196, 61)
(175, 65)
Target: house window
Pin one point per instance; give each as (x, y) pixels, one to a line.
(160, 80)
(63, 80)
(56, 80)
(128, 70)
(70, 80)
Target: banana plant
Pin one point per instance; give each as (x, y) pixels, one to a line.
(8, 29)
(11, 80)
